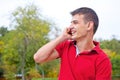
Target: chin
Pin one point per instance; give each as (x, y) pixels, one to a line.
(73, 38)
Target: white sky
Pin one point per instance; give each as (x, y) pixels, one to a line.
(59, 11)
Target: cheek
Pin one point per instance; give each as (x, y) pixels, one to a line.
(81, 32)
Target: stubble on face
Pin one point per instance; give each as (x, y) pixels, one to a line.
(79, 27)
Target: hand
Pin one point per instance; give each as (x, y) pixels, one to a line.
(66, 34)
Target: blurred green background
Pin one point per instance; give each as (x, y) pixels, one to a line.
(30, 30)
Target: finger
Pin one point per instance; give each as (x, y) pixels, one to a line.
(68, 30)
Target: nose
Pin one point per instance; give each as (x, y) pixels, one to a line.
(71, 26)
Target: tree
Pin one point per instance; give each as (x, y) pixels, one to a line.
(112, 44)
(3, 31)
(30, 32)
(115, 60)
(1, 62)
(111, 49)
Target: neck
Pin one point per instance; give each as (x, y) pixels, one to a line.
(85, 44)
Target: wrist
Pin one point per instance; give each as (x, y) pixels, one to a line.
(61, 39)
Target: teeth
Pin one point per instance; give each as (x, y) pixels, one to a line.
(72, 32)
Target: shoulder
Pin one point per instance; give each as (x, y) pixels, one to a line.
(103, 59)
(99, 51)
(67, 43)
(101, 55)
(63, 45)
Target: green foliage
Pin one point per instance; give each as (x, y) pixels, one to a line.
(30, 32)
(112, 48)
(1, 46)
(33, 73)
(45, 79)
(112, 44)
(115, 60)
(18, 45)
(116, 65)
(10, 76)
(1, 72)
(51, 68)
(110, 53)
(3, 31)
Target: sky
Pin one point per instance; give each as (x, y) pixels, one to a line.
(59, 11)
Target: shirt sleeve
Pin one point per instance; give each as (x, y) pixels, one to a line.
(60, 48)
(103, 69)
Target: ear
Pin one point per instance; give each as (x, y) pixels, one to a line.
(90, 25)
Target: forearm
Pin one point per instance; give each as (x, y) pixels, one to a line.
(44, 52)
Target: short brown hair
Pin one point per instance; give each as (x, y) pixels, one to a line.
(89, 15)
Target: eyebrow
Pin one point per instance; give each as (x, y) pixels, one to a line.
(73, 21)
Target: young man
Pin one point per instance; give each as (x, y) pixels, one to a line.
(81, 57)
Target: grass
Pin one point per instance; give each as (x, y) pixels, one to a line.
(45, 79)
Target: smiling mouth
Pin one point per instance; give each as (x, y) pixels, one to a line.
(73, 32)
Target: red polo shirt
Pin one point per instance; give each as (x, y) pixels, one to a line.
(92, 65)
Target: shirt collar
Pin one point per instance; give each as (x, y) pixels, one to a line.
(97, 46)
(95, 49)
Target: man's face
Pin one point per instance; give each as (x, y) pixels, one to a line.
(78, 27)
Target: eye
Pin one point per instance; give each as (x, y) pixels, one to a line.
(74, 22)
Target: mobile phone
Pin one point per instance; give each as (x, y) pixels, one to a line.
(70, 32)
